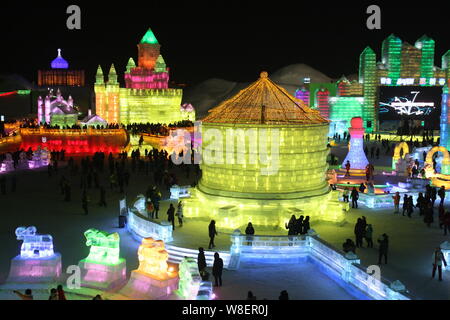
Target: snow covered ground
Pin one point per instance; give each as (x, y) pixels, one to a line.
(38, 202)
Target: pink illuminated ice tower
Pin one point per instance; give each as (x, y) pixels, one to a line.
(356, 155)
(151, 72)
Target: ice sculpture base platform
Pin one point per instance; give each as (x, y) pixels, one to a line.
(103, 276)
(39, 270)
(143, 287)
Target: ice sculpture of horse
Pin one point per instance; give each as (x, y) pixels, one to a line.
(34, 245)
(105, 247)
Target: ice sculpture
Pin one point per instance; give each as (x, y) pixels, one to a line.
(34, 245)
(154, 278)
(7, 164)
(41, 158)
(103, 268)
(23, 161)
(190, 279)
(356, 155)
(104, 246)
(37, 262)
(177, 192)
(153, 258)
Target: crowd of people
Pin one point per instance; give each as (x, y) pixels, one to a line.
(364, 231)
(157, 128)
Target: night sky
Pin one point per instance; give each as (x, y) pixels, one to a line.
(211, 39)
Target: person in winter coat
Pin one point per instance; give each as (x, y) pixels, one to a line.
(53, 294)
(349, 246)
(299, 225)
(405, 204)
(363, 223)
(291, 226)
(217, 270)
(355, 196)
(201, 261)
(61, 293)
(346, 194)
(437, 260)
(84, 202)
(362, 187)
(212, 233)
(347, 168)
(250, 296)
(368, 236)
(171, 215)
(249, 231)
(421, 203)
(441, 194)
(428, 218)
(396, 199)
(150, 208)
(306, 225)
(383, 248)
(433, 195)
(180, 213)
(410, 206)
(359, 233)
(283, 295)
(102, 201)
(446, 223)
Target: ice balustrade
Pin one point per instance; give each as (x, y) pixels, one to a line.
(346, 267)
(142, 227)
(177, 254)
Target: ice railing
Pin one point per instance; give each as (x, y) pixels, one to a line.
(347, 267)
(177, 254)
(142, 227)
(250, 244)
(352, 272)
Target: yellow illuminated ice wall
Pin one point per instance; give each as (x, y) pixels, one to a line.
(263, 159)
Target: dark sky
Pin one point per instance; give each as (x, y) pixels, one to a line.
(201, 40)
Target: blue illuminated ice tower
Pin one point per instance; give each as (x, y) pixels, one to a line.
(356, 155)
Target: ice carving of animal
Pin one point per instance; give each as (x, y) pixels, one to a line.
(34, 245)
(153, 258)
(105, 247)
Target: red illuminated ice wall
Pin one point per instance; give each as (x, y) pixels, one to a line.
(75, 141)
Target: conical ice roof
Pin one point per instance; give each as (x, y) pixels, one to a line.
(264, 102)
(149, 37)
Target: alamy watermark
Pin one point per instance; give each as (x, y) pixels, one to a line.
(259, 147)
(374, 20)
(74, 20)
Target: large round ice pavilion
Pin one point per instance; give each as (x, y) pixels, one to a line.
(263, 159)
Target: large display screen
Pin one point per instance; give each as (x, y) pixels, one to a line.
(410, 103)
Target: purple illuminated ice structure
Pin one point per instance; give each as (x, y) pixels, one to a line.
(356, 155)
(8, 164)
(142, 287)
(103, 276)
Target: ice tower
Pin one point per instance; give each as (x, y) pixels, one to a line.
(146, 96)
(356, 155)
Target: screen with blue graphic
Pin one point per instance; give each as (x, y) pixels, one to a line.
(410, 103)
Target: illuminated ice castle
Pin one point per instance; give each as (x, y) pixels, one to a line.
(146, 96)
(277, 167)
(402, 65)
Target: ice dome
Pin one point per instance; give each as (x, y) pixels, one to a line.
(59, 62)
